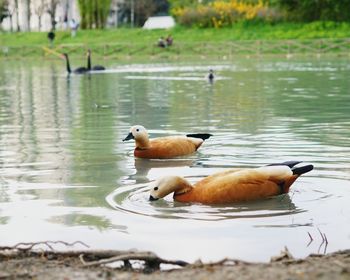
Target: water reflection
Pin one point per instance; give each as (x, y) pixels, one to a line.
(91, 221)
(144, 166)
(65, 173)
(134, 199)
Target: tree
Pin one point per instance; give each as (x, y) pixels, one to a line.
(17, 15)
(26, 5)
(51, 7)
(183, 3)
(39, 10)
(140, 10)
(9, 8)
(3, 10)
(94, 13)
(311, 10)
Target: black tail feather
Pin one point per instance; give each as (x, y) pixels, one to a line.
(302, 169)
(289, 163)
(200, 135)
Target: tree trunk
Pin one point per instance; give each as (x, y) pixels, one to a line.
(17, 15)
(11, 25)
(39, 22)
(29, 14)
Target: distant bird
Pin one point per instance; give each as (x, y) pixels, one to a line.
(96, 67)
(234, 185)
(164, 147)
(211, 76)
(79, 70)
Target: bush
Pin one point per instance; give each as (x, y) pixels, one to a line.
(224, 14)
(315, 10)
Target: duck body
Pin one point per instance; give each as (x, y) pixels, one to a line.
(164, 147)
(79, 70)
(98, 68)
(211, 76)
(95, 67)
(234, 185)
(169, 147)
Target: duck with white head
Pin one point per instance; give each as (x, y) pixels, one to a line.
(164, 147)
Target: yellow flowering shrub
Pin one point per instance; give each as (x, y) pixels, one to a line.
(223, 13)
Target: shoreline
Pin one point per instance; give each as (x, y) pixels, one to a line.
(222, 50)
(28, 263)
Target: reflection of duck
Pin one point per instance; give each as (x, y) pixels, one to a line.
(269, 207)
(95, 67)
(233, 185)
(164, 147)
(144, 166)
(79, 70)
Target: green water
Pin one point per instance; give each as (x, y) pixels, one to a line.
(66, 174)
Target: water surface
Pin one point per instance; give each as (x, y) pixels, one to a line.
(66, 175)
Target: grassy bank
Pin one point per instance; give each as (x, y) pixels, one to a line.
(125, 41)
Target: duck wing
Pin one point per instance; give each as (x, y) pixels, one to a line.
(241, 185)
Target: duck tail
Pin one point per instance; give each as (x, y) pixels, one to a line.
(298, 167)
(202, 136)
(289, 163)
(302, 169)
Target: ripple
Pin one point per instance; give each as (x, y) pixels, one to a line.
(134, 199)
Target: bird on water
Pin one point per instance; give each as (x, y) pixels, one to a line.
(233, 185)
(164, 147)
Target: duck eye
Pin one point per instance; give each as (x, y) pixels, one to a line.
(155, 188)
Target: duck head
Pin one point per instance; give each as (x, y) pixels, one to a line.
(169, 184)
(140, 134)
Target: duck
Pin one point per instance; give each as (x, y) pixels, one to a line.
(79, 70)
(95, 67)
(164, 147)
(233, 185)
(211, 76)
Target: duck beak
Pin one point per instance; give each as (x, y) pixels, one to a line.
(129, 137)
(151, 198)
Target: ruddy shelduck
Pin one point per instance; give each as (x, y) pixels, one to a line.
(164, 147)
(234, 185)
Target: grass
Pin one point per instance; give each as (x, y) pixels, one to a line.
(146, 38)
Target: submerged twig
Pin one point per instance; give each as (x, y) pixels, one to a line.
(325, 238)
(324, 241)
(311, 239)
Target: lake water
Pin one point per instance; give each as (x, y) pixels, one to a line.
(66, 174)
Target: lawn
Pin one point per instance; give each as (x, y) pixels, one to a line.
(184, 38)
(241, 31)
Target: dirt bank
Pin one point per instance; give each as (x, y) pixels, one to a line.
(49, 265)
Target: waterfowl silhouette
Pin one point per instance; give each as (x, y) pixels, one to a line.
(234, 185)
(79, 70)
(164, 147)
(95, 67)
(211, 76)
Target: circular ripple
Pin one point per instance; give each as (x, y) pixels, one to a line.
(134, 199)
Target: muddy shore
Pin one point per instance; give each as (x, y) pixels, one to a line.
(49, 265)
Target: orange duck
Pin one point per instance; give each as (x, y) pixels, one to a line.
(164, 147)
(234, 185)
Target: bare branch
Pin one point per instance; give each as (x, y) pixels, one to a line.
(142, 256)
(311, 239)
(26, 246)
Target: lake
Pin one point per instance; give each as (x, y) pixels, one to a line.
(66, 174)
